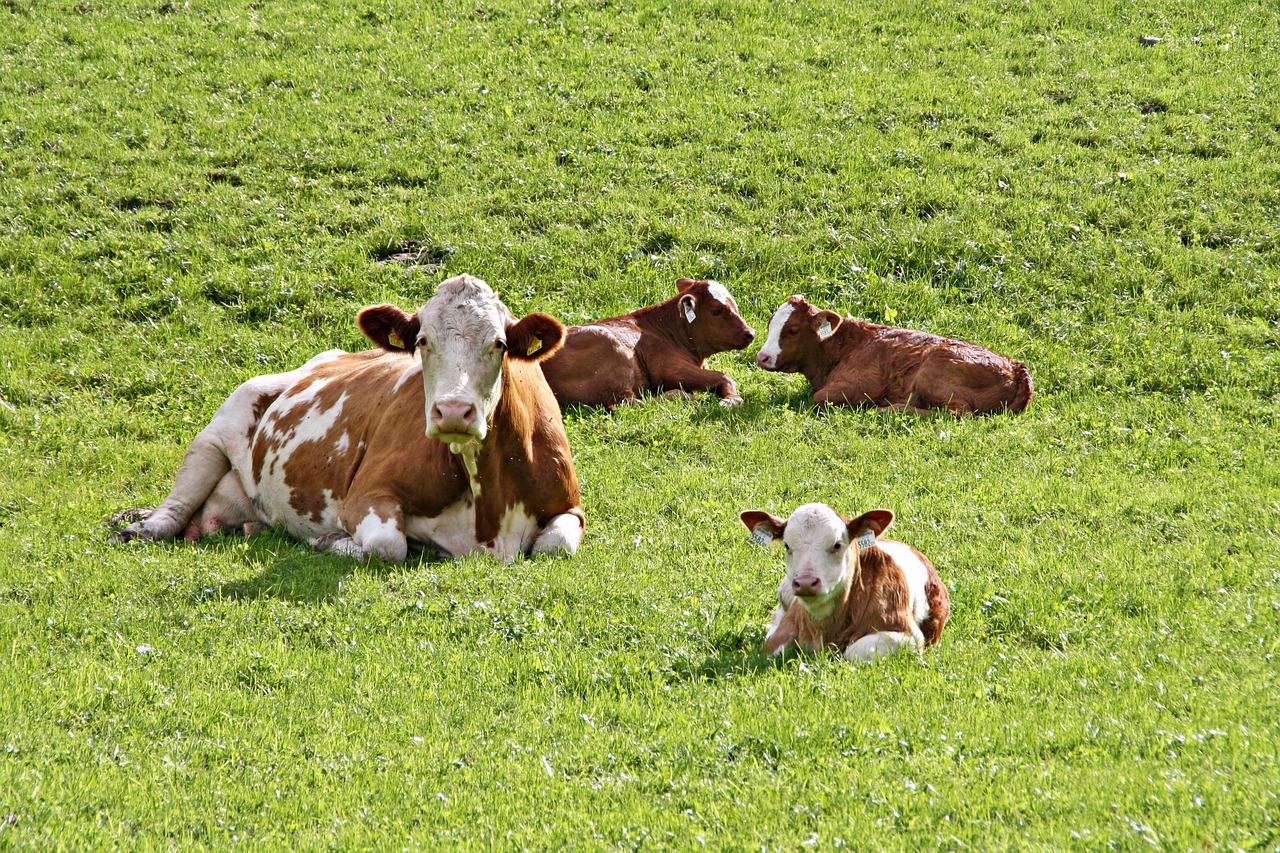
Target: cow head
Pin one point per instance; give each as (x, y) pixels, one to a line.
(822, 549)
(463, 336)
(796, 332)
(711, 316)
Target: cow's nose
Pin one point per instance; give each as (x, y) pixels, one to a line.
(764, 360)
(453, 416)
(806, 585)
(751, 334)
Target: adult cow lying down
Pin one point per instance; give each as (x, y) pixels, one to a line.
(863, 364)
(848, 589)
(446, 435)
(659, 348)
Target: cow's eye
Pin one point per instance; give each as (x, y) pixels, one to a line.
(835, 549)
(788, 547)
(500, 345)
(422, 344)
(786, 333)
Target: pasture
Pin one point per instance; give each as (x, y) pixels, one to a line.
(198, 191)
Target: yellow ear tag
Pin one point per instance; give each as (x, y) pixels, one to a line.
(534, 346)
(395, 340)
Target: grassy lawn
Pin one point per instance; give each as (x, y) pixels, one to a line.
(193, 193)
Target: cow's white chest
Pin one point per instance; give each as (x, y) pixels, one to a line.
(454, 531)
(914, 572)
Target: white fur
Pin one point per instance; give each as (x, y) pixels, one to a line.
(721, 293)
(382, 538)
(874, 646)
(914, 572)
(563, 534)
(768, 357)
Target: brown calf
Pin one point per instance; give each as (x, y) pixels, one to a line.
(862, 364)
(663, 347)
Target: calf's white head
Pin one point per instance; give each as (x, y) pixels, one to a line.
(463, 336)
(822, 550)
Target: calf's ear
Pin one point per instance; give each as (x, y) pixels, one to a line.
(765, 529)
(389, 327)
(687, 302)
(827, 323)
(877, 521)
(534, 337)
(683, 284)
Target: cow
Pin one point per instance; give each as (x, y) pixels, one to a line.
(857, 363)
(446, 435)
(660, 348)
(848, 589)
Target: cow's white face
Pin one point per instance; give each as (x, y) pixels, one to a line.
(822, 550)
(462, 337)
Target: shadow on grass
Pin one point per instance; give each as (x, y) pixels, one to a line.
(736, 653)
(291, 571)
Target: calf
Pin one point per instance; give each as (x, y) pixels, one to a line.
(663, 347)
(853, 362)
(445, 435)
(847, 589)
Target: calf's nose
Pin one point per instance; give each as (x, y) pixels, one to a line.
(453, 416)
(764, 360)
(803, 585)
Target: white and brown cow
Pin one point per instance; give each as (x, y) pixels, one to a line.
(851, 362)
(659, 348)
(846, 588)
(446, 435)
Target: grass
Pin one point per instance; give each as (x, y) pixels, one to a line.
(195, 193)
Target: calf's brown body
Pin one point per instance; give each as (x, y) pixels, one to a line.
(852, 362)
(662, 347)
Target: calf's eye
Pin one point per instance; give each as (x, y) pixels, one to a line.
(500, 345)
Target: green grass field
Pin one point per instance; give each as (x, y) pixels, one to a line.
(198, 191)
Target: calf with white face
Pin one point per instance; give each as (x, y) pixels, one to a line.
(848, 589)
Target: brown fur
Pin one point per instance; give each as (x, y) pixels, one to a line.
(865, 364)
(649, 350)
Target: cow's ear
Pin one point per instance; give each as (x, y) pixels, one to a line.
(683, 284)
(826, 322)
(389, 327)
(534, 337)
(765, 529)
(687, 303)
(877, 521)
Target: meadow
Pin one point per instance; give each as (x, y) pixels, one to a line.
(194, 192)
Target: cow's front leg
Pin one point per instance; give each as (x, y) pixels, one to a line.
(562, 535)
(374, 528)
(693, 378)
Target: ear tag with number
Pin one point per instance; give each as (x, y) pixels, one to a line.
(865, 540)
(534, 346)
(688, 313)
(825, 331)
(395, 340)
(761, 536)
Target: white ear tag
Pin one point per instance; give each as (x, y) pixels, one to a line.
(865, 540)
(761, 536)
(688, 313)
(825, 331)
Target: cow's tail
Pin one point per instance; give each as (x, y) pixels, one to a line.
(1022, 391)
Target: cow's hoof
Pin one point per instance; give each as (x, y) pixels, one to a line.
(730, 402)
